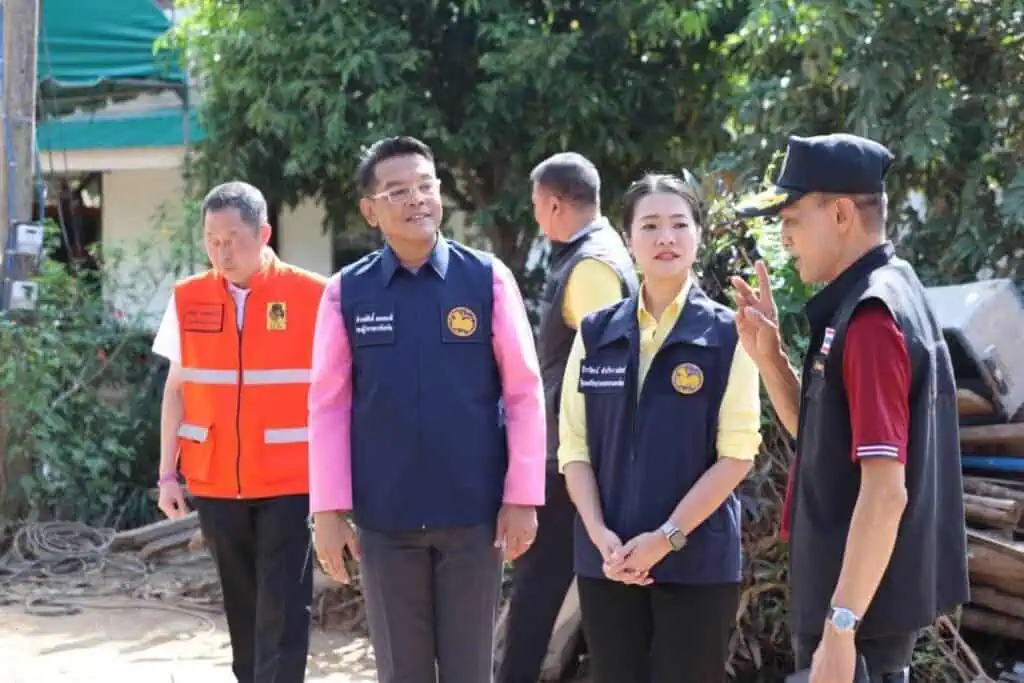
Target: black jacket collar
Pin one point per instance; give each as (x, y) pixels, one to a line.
(822, 306)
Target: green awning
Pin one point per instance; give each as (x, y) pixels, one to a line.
(163, 127)
(91, 50)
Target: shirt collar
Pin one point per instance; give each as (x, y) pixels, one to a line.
(561, 249)
(438, 260)
(820, 307)
(647, 319)
(596, 224)
(697, 323)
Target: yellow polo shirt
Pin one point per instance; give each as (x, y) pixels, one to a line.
(592, 284)
(739, 417)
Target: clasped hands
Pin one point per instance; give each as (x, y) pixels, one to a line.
(630, 562)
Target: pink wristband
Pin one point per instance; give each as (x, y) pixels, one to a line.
(170, 476)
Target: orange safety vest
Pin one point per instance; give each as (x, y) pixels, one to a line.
(245, 429)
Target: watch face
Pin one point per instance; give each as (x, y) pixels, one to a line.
(675, 537)
(843, 619)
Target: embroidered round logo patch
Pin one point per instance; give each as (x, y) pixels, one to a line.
(461, 321)
(687, 378)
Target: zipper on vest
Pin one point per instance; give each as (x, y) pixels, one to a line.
(634, 441)
(238, 412)
(419, 383)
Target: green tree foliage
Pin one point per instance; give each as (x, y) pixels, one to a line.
(293, 91)
(941, 82)
(80, 389)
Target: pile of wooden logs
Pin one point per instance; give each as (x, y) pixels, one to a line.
(160, 537)
(994, 505)
(169, 542)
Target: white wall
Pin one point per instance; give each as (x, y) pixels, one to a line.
(142, 200)
(142, 215)
(301, 240)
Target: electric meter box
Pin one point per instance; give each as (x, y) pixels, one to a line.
(28, 239)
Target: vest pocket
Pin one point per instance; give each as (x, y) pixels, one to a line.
(284, 453)
(195, 442)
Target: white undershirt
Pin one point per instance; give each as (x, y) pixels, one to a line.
(167, 342)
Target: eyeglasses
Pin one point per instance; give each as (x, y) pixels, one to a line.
(401, 195)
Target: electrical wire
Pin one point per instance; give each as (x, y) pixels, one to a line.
(62, 568)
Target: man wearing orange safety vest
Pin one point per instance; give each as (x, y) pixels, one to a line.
(239, 339)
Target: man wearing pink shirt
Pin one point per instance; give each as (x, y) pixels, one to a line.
(427, 428)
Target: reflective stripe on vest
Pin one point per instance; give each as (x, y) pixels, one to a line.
(230, 377)
(288, 376)
(198, 434)
(294, 435)
(193, 432)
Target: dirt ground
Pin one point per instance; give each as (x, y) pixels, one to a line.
(141, 643)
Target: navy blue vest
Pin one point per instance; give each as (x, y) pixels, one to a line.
(646, 455)
(428, 436)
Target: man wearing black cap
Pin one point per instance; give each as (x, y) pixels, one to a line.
(874, 511)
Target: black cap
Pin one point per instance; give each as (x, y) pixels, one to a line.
(837, 163)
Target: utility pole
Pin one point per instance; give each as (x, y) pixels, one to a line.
(17, 161)
(20, 37)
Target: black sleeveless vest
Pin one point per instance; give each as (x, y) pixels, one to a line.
(598, 240)
(927, 575)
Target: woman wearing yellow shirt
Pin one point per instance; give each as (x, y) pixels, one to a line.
(659, 424)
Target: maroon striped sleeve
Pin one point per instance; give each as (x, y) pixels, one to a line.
(876, 372)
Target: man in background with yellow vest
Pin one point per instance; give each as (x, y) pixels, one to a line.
(590, 268)
(239, 339)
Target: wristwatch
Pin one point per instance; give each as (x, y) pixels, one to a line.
(676, 538)
(843, 620)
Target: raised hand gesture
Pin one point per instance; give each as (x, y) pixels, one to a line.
(757, 319)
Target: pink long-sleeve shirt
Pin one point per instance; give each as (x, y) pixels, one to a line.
(330, 400)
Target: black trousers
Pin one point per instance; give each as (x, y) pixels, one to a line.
(887, 657)
(662, 633)
(539, 585)
(262, 552)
